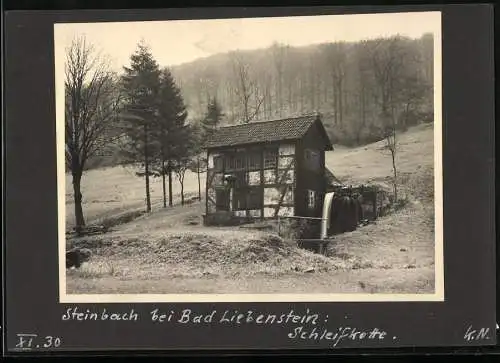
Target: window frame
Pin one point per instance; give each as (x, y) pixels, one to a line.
(254, 162)
(311, 199)
(271, 156)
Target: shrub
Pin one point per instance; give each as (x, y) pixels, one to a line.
(295, 229)
(401, 203)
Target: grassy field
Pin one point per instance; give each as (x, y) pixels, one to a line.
(169, 251)
(110, 191)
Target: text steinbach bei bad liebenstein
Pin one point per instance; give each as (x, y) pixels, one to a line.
(188, 316)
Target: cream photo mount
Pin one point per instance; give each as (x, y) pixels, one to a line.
(433, 21)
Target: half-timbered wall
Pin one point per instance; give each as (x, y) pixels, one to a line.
(279, 184)
(252, 182)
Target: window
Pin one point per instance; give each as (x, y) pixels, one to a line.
(247, 198)
(239, 162)
(236, 162)
(312, 159)
(253, 161)
(311, 199)
(218, 163)
(270, 158)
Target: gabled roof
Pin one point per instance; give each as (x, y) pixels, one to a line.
(265, 131)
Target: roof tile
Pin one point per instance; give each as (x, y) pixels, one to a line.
(261, 131)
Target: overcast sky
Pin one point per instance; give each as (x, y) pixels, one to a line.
(180, 41)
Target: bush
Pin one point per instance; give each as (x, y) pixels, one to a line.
(401, 203)
(295, 229)
(123, 218)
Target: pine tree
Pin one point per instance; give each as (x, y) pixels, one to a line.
(212, 118)
(171, 129)
(141, 84)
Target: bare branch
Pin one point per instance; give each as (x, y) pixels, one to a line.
(92, 102)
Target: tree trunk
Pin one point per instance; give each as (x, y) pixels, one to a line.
(270, 102)
(256, 100)
(162, 152)
(169, 184)
(231, 102)
(341, 103)
(290, 95)
(301, 98)
(163, 182)
(393, 154)
(182, 192)
(146, 169)
(198, 172)
(335, 102)
(363, 106)
(395, 175)
(280, 94)
(79, 219)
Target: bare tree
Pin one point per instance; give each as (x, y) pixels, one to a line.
(180, 172)
(246, 89)
(392, 66)
(92, 103)
(391, 144)
(363, 86)
(388, 60)
(336, 59)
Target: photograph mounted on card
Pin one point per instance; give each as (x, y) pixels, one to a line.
(249, 178)
(256, 159)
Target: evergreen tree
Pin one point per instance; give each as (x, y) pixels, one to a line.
(171, 128)
(199, 135)
(141, 84)
(212, 118)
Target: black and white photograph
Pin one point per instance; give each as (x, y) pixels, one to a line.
(262, 159)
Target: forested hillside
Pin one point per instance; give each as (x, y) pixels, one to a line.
(351, 84)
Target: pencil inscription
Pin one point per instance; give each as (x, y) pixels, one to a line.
(472, 334)
(29, 341)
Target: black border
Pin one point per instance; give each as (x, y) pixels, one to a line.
(31, 287)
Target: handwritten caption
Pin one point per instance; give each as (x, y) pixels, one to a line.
(30, 341)
(477, 334)
(304, 325)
